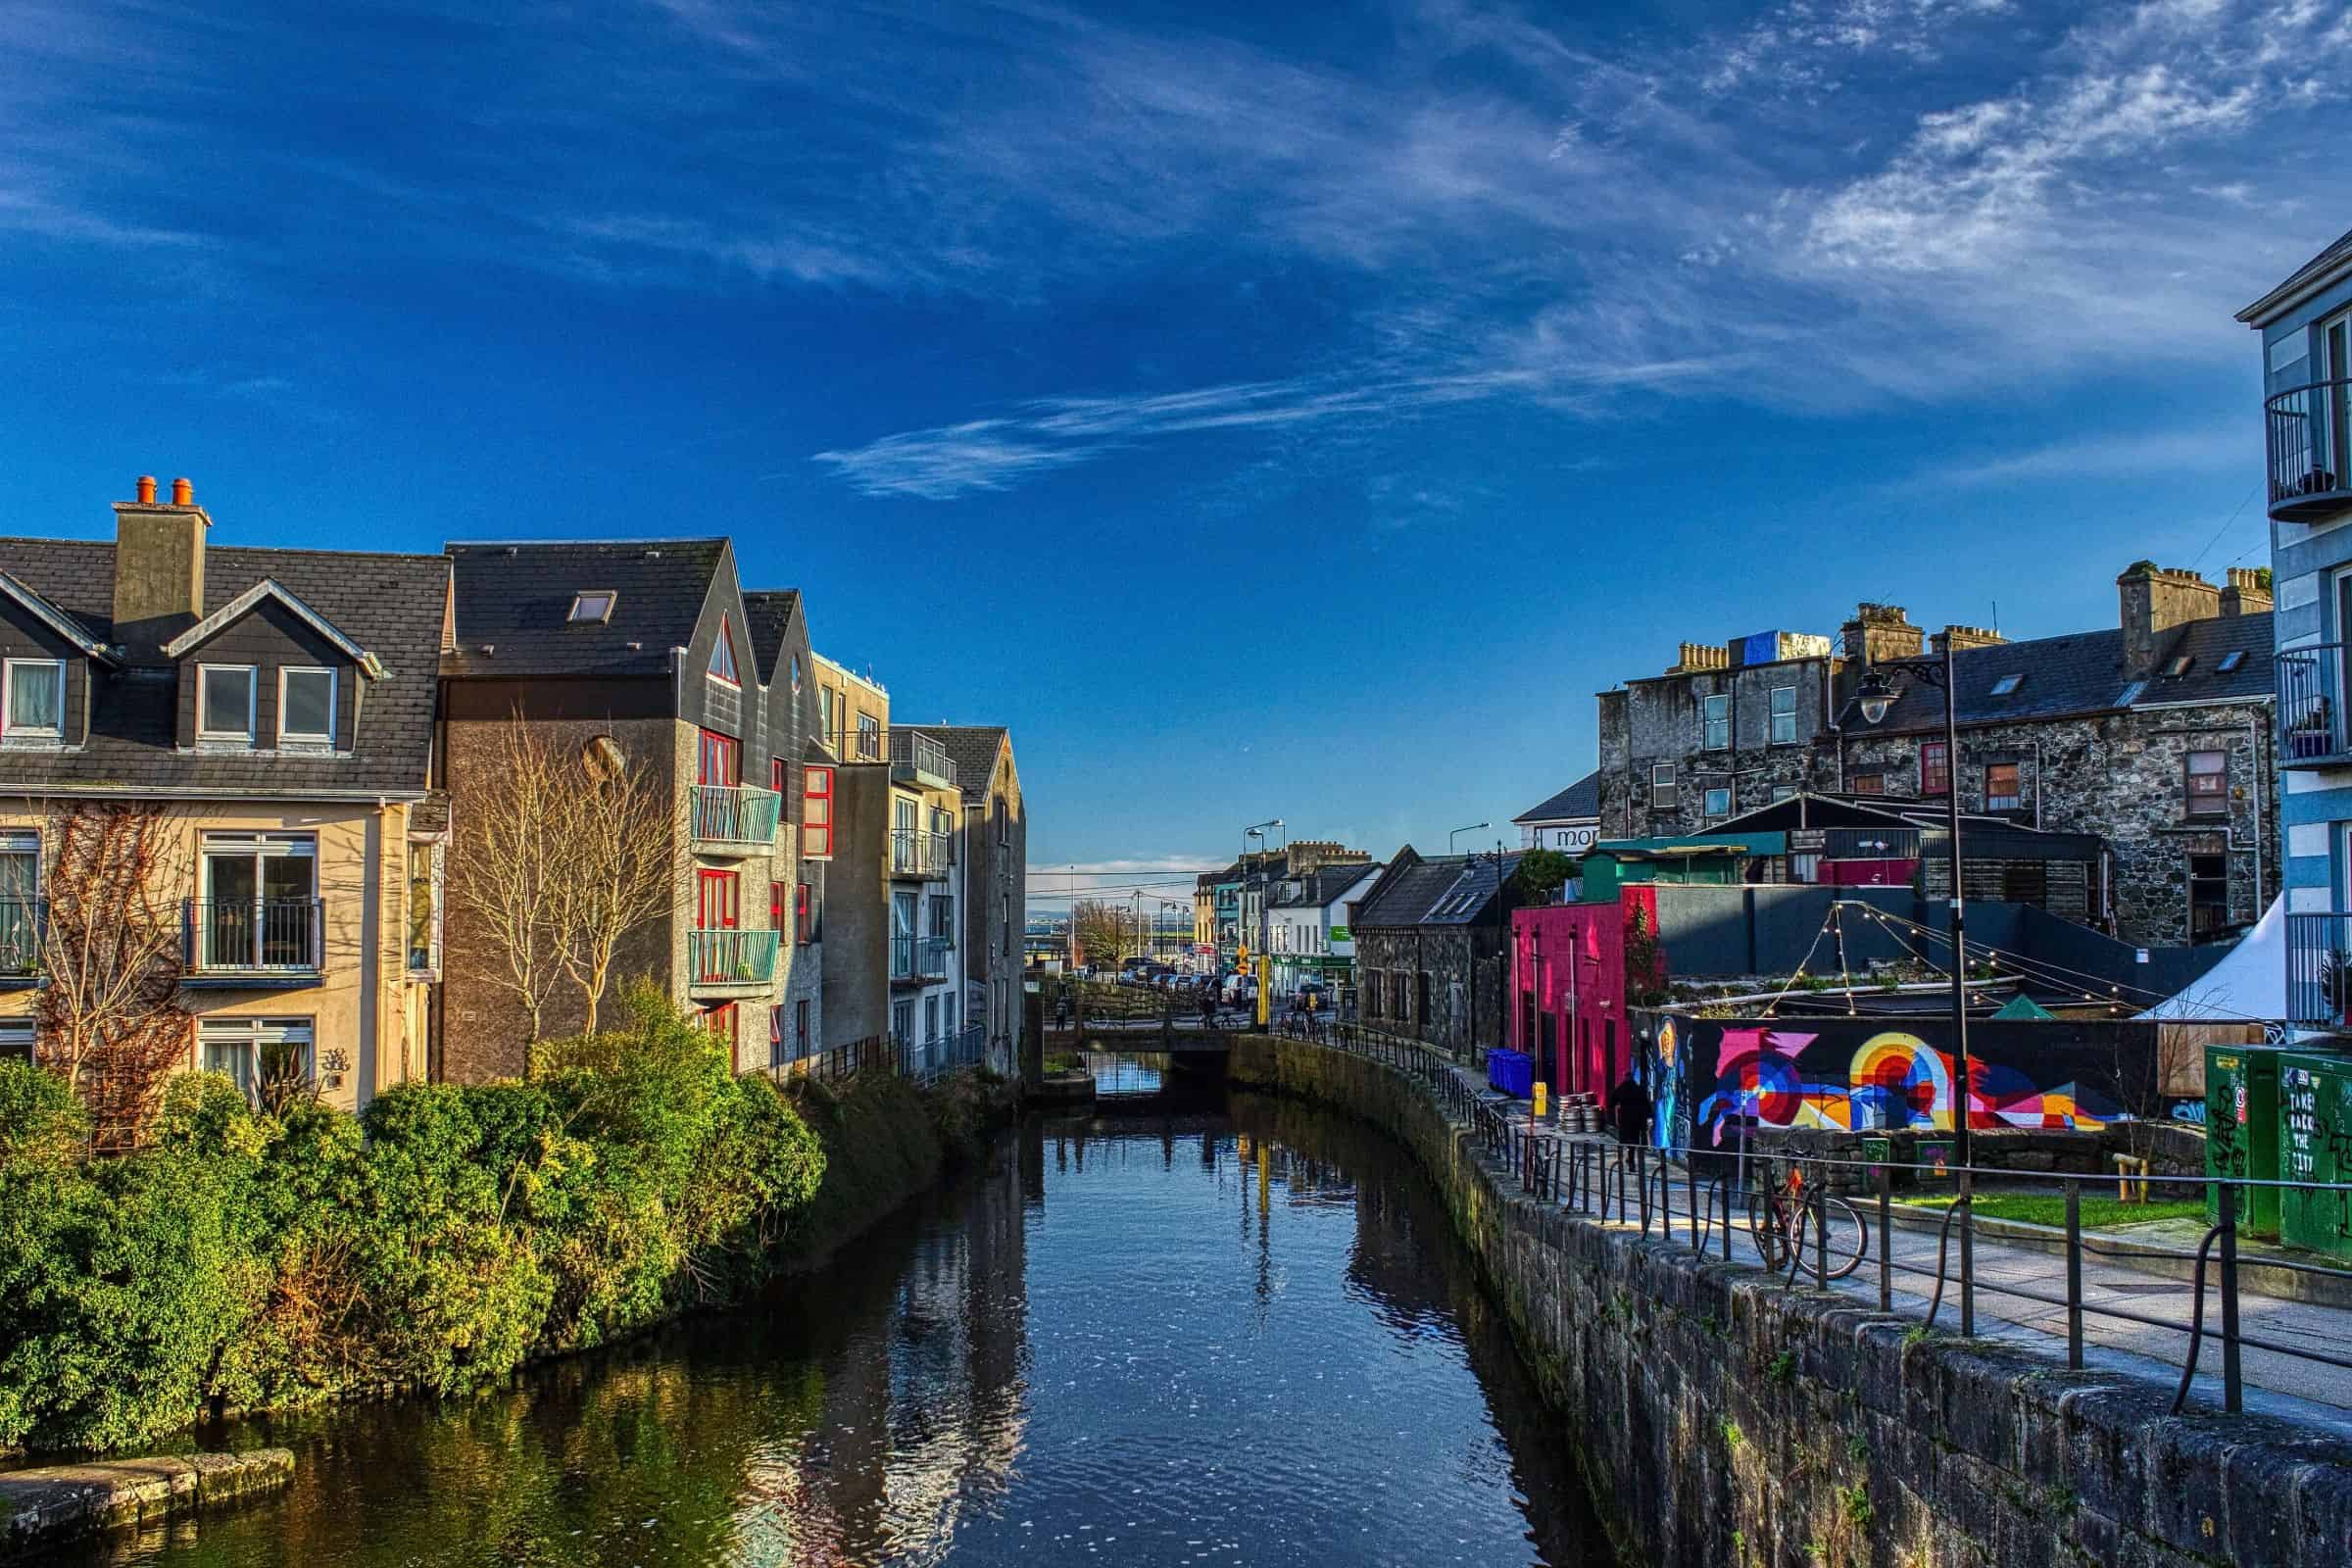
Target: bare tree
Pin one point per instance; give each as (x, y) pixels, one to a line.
(1106, 932)
(109, 1017)
(506, 876)
(622, 840)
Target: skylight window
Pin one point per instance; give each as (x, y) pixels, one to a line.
(591, 607)
(2231, 659)
(2179, 667)
(2007, 684)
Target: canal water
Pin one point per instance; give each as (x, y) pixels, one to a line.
(1231, 1331)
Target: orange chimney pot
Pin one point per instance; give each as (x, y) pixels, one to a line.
(183, 494)
(146, 489)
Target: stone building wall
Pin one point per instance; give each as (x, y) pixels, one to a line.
(1662, 720)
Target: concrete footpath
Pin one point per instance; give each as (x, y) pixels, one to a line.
(2152, 1343)
(51, 1502)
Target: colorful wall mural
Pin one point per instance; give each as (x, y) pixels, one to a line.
(1715, 1076)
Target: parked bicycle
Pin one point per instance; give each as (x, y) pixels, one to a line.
(1782, 1216)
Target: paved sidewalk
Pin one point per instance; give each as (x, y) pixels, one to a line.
(2275, 1384)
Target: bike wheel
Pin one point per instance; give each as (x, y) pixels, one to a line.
(1848, 1237)
(1764, 1225)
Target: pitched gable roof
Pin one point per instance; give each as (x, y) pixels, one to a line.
(516, 598)
(1579, 800)
(2337, 256)
(767, 616)
(58, 618)
(973, 748)
(1407, 892)
(220, 620)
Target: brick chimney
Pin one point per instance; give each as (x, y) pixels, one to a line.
(1695, 656)
(2154, 600)
(2247, 594)
(1878, 631)
(159, 568)
(1963, 638)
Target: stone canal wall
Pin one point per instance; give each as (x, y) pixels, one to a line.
(1725, 1422)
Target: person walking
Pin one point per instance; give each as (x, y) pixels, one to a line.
(1208, 1006)
(1630, 1109)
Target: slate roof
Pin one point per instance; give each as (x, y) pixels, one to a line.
(1581, 799)
(768, 615)
(973, 748)
(2325, 262)
(515, 598)
(1473, 891)
(1324, 885)
(388, 605)
(1443, 890)
(2082, 673)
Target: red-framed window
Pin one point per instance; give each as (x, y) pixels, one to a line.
(816, 812)
(775, 906)
(775, 774)
(803, 914)
(1934, 769)
(718, 905)
(719, 1019)
(719, 759)
(722, 654)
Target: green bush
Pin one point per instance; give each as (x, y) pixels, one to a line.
(244, 1259)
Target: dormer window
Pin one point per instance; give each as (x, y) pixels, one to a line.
(592, 606)
(34, 708)
(2007, 684)
(224, 703)
(305, 706)
(723, 656)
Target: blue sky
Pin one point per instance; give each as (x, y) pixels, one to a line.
(1283, 411)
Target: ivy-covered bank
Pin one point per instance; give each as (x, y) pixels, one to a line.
(247, 1261)
(1725, 1421)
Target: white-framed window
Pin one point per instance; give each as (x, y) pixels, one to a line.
(257, 1052)
(1783, 716)
(34, 708)
(16, 1040)
(1719, 803)
(224, 703)
(1716, 722)
(592, 606)
(257, 904)
(426, 871)
(306, 706)
(1661, 786)
(19, 903)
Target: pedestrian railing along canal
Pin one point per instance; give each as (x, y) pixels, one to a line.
(922, 1061)
(1806, 1233)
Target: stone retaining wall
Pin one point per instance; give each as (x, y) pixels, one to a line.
(1725, 1422)
(53, 1503)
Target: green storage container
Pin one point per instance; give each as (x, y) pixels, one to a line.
(2315, 1101)
(2242, 1130)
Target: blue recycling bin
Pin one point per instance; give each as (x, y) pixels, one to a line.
(1514, 1072)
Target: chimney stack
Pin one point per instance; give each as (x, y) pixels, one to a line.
(159, 568)
(2247, 594)
(1694, 657)
(2153, 601)
(1962, 638)
(1878, 632)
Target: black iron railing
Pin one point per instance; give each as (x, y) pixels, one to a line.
(22, 922)
(2319, 970)
(2312, 727)
(252, 936)
(2308, 434)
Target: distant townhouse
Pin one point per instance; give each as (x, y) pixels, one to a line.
(994, 862)
(1568, 822)
(646, 654)
(2153, 734)
(2306, 329)
(275, 709)
(1432, 948)
(1310, 937)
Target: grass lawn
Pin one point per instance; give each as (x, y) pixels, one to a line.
(2049, 1208)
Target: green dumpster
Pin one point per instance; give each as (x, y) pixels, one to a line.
(2315, 1102)
(2242, 1130)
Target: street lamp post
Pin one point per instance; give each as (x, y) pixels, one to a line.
(1876, 695)
(1455, 833)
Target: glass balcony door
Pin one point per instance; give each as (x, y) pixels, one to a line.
(258, 904)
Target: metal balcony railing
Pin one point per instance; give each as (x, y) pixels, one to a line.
(266, 939)
(728, 816)
(918, 854)
(2319, 970)
(22, 921)
(2308, 433)
(917, 758)
(721, 959)
(2312, 731)
(931, 957)
(902, 957)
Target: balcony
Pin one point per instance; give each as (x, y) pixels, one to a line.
(2312, 730)
(2308, 433)
(253, 941)
(22, 921)
(931, 957)
(2319, 972)
(916, 758)
(734, 818)
(902, 959)
(730, 963)
(921, 857)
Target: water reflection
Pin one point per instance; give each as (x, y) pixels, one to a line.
(1238, 1333)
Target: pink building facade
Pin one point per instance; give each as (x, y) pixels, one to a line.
(1570, 1010)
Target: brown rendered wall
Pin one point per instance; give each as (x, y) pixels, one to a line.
(857, 944)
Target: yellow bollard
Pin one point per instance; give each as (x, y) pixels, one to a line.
(1540, 1096)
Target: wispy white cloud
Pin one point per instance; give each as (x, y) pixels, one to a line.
(2194, 449)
